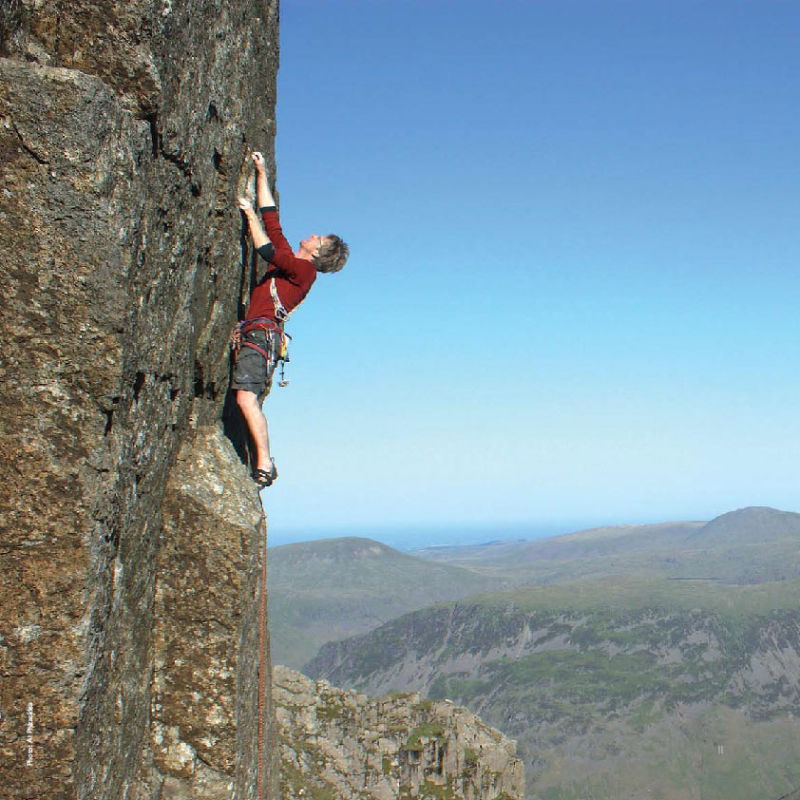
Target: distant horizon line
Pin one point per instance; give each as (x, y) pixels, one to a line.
(424, 535)
(416, 536)
(598, 522)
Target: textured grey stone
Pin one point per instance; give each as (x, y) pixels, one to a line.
(124, 129)
(342, 744)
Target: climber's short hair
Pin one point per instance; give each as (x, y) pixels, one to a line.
(332, 255)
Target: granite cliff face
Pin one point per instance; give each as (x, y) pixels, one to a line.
(130, 532)
(340, 744)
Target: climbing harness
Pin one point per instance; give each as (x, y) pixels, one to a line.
(238, 340)
(267, 324)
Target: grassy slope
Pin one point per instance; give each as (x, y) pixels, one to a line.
(334, 588)
(680, 757)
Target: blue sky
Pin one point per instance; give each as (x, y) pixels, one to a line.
(572, 296)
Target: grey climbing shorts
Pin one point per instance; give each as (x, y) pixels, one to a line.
(251, 371)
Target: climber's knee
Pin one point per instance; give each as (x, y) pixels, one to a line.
(246, 400)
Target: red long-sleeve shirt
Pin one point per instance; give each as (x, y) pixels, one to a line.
(293, 276)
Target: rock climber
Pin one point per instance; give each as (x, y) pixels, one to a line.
(259, 341)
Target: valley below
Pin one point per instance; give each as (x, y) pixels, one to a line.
(619, 671)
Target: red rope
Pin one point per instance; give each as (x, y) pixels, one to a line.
(262, 660)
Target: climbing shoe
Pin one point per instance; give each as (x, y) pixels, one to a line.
(264, 478)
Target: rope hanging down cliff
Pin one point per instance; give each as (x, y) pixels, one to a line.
(262, 662)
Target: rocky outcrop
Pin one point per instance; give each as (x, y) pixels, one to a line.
(340, 744)
(130, 535)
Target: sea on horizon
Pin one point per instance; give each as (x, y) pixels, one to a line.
(411, 538)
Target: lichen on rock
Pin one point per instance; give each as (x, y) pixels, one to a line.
(337, 744)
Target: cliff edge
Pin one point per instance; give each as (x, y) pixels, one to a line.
(130, 532)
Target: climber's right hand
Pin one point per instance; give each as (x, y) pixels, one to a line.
(258, 160)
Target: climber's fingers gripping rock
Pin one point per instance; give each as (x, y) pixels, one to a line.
(258, 160)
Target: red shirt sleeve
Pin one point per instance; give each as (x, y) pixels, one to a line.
(295, 269)
(293, 276)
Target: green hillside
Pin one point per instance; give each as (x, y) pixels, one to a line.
(640, 688)
(334, 588)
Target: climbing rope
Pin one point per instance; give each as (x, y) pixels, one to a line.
(262, 660)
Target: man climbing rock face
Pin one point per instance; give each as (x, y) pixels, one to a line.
(259, 340)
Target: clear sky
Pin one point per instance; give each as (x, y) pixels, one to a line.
(572, 297)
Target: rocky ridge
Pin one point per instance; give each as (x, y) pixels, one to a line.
(337, 743)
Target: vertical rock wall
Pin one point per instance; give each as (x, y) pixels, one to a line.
(124, 127)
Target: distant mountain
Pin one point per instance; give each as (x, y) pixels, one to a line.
(334, 588)
(751, 545)
(591, 543)
(753, 525)
(633, 688)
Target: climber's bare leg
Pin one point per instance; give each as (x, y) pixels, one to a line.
(257, 425)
